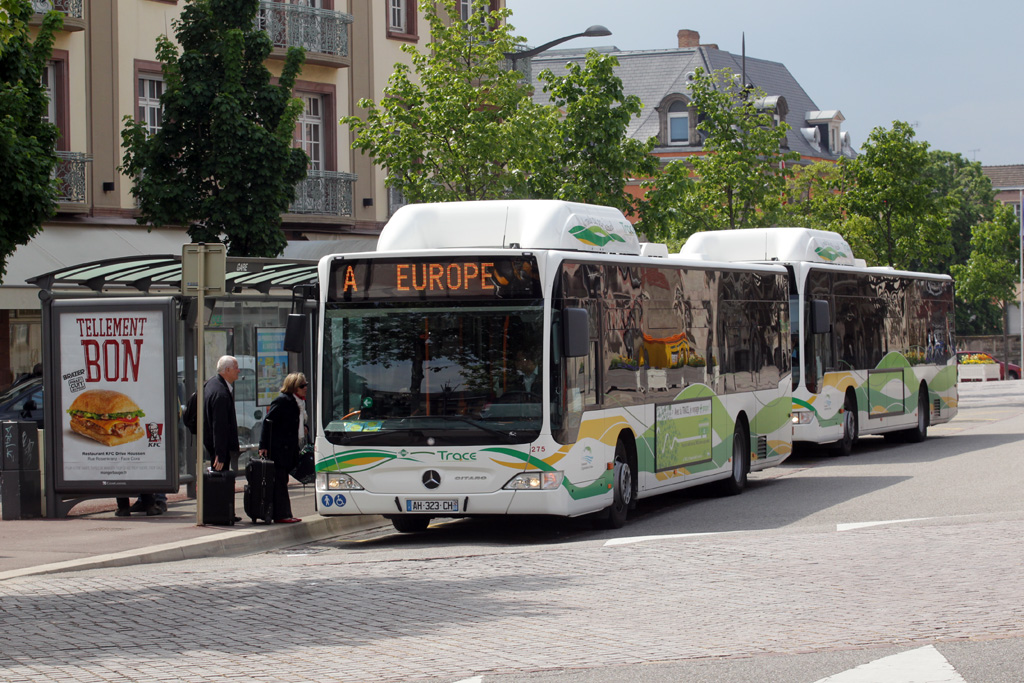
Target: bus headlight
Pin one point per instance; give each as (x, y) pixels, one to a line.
(802, 417)
(336, 481)
(535, 481)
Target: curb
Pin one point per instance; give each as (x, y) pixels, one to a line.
(228, 544)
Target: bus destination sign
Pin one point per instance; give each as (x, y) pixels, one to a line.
(416, 279)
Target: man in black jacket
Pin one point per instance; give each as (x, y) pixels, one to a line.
(220, 428)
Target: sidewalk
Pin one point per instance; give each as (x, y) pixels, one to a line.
(91, 537)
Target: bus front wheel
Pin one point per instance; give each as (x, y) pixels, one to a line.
(845, 445)
(622, 492)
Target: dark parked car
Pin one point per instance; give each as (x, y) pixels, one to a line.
(23, 401)
(981, 357)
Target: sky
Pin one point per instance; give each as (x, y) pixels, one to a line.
(953, 69)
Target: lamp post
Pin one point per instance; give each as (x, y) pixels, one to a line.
(594, 31)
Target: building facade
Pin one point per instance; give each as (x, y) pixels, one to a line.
(661, 79)
(104, 67)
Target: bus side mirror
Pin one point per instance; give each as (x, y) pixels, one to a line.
(820, 318)
(576, 325)
(295, 333)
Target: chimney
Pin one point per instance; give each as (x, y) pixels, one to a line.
(688, 38)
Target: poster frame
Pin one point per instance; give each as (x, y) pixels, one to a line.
(163, 307)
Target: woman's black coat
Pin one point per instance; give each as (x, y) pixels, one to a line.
(280, 435)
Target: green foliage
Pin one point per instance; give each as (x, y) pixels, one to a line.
(815, 193)
(223, 163)
(665, 213)
(463, 126)
(742, 173)
(27, 143)
(593, 156)
(990, 273)
(963, 194)
(893, 192)
(460, 125)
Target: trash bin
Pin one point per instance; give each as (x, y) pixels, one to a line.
(19, 471)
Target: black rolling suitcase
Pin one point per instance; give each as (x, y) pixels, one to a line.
(219, 497)
(258, 496)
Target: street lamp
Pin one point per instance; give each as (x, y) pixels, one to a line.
(594, 31)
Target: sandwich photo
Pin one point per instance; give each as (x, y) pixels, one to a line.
(106, 416)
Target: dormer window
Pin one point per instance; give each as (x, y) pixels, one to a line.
(678, 123)
(828, 124)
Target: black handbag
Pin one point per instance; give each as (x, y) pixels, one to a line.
(304, 467)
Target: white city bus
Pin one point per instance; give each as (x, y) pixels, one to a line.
(873, 348)
(533, 357)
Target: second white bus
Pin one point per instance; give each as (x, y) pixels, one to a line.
(874, 348)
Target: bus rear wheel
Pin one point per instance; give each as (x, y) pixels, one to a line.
(737, 480)
(920, 432)
(410, 524)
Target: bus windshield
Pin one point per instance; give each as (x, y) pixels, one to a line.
(432, 375)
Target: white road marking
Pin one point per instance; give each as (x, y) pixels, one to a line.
(642, 539)
(474, 679)
(861, 525)
(923, 665)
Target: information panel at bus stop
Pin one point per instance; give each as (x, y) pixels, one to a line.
(117, 411)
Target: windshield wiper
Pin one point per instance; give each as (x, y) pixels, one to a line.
(503, 433)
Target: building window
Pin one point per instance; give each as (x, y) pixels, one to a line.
(397, 15)
(678, 124)
(151, 115)
(314, 133)
(311, 131)
(55, 82)
(402, 20)
(49, 85)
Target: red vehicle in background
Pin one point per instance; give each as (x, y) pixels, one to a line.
(1006, 370)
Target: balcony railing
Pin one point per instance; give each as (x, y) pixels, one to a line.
(324, 193)
(317, 30)
(72, 8)
(70, 173)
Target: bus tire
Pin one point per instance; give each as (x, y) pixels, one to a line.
(920, 432)
(850, 425)
(737, 480)
(614, 517)
(410, 524)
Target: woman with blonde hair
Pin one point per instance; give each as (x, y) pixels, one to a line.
(283, 437)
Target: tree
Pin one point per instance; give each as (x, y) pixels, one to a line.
(462, 126)
(27, 140)
(223, 163)
(815, 195)
(593, 157)
(991, 271)
(895, 195)
(741, 177)
(963, 194)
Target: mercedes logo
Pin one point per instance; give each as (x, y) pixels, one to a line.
(431, 479)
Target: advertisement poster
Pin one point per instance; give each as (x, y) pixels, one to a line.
(683, 433)
(114, 421)
(271, 364)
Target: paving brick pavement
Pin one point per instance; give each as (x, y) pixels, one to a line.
(91, 536)
(335, 615)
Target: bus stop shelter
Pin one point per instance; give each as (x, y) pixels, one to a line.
(93, 300)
